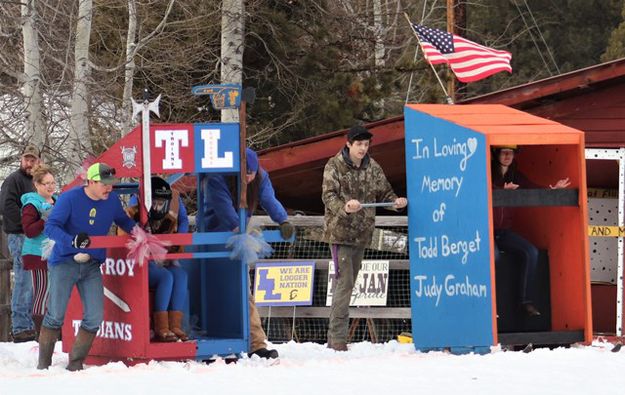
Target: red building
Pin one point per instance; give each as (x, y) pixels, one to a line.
(590, 99)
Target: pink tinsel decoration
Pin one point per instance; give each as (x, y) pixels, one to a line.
(144, 245)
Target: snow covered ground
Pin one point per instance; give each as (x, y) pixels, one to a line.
(308, 368)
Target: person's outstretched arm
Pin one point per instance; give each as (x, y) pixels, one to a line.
(268, 200)
(385, 190)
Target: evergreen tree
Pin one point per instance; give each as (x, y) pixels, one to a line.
(616, 44)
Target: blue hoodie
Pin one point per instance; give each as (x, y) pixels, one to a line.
(75, 212)
(221, 214)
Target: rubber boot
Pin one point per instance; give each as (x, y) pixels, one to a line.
(80, 349)
(47, 340)
(161, 328)
(37, 319)
(175, 325)
(337, 346)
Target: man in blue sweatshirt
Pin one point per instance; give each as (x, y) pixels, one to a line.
(78, 214)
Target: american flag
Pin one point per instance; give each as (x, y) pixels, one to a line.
(468, 60)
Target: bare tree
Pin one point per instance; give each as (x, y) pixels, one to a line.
(232, 33)
(81, 140)
(317, 65)
(32, 84)
(129, 69)
(132, 48)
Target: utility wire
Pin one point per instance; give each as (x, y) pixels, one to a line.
(542, 37)
(529, 30)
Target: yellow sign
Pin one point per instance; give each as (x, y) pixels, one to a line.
(284, 284)
(605, 231)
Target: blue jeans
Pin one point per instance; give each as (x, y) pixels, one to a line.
(170, 284)
(514, 243)
(22, 296)
(88, 279)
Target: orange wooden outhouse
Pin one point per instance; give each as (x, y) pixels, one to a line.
(449, 149)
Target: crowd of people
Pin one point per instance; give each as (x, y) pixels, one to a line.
(49, 236)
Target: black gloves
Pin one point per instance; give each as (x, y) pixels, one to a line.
(286, 230)
(81, 240)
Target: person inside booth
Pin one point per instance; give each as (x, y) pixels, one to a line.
(168, 280)
(506, 175)
(221, 216)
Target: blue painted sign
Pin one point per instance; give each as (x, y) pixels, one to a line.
(448, 224)
(221, 96)
(216, 147)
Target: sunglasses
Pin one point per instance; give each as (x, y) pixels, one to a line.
(107, 173)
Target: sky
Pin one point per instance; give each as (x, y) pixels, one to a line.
(308, 368)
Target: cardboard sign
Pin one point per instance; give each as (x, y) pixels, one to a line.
(606, 231)
(284, 283)
(371, 286)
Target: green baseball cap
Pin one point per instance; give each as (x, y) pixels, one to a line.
(103, 173)
(30, 150)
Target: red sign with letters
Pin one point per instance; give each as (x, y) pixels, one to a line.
(172, 148)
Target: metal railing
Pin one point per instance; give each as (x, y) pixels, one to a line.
(372, 323)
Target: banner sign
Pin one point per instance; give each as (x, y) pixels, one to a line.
(602, 193)
(194, 148)
(371, 287)
(284, 283)
(448, 223)
(606, 231)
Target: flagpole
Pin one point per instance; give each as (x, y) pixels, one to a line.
(447, 97)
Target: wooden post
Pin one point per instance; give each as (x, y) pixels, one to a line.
(5, 288)
(5, 299)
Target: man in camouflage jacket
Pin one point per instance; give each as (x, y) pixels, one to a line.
(350, 178)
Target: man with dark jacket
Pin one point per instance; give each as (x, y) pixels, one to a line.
(351, 178)
(15, 185)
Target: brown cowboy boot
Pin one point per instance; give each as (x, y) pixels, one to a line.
(161, 328)
(47, 340)
(80, 349)
(175, 325)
